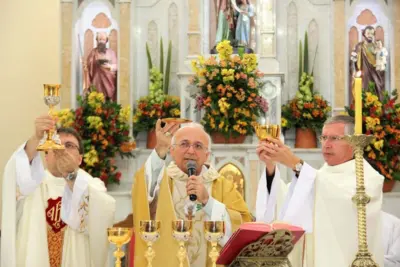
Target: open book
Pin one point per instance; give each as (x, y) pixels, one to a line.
(251, 232)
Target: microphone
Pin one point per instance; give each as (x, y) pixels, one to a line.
(191, 168)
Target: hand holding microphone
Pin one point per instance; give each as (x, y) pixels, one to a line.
(195, 187)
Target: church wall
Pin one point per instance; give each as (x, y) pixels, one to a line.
(150, 22)
(30, 54)
(396, 50)
(321, 12)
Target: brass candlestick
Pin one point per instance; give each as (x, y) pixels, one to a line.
(51, 140)
(361, 199)
(150, 232)
(182, 232)
(214, 231)
(119, 236)
(264, 132)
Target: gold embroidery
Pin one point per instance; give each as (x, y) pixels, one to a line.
(55, 231)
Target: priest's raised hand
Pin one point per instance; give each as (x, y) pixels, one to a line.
(60, 214)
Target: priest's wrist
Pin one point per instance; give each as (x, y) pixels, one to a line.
(293, 161)
(162, 152)
(270, 169)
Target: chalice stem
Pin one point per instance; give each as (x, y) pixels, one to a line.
(118, 254)
(181, 253)
(150, 254)
(214, 254)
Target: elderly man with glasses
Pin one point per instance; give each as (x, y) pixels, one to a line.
(164, 189)
(53, 217)
(320, 201)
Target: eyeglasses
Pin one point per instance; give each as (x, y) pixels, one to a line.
(198, 147)
(70, 146)
(332, 138)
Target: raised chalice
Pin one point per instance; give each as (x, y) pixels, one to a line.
(150, 233)
(214, 231)
(119, 236)
(182, 232)
(267, 131)
(51, 140)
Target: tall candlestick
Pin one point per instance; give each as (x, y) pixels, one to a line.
(358, 104)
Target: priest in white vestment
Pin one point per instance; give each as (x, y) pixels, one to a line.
(320, 202)
(391, 239)
(54, 217)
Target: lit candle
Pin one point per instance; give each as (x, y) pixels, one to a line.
(358, 102)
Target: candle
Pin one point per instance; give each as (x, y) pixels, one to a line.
(358, 103)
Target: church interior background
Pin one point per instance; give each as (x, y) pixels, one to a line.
(48, 41)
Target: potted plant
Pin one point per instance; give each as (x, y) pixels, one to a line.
(104, 127)
(381, 119)
(158, 104)
(308, 110)
(228, 91)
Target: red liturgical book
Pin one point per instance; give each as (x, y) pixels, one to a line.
(249, 233)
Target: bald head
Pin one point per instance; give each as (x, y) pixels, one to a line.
(190, 143)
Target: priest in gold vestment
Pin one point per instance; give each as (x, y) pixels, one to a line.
(161, 190)
(56, 217)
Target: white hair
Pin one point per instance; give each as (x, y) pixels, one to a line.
(348, 122)
(195, 125)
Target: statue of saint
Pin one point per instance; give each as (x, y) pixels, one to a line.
(100, 68)
(369, 57)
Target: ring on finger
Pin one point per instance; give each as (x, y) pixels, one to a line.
(168, 134)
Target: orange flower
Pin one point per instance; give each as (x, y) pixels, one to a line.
(315, 113)
(372, 155)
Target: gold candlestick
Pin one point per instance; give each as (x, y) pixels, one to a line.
(150, 233)
(182, 232)
(51, 140)
(119, 236)
(214, 232)
(361, 199)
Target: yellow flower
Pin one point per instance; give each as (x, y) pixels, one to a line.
(91, 157)
(284, 122)
(221, 125)
(224, 49)
(371, 122)
(95, 99)
(223, 105)
(175, 112)
(65, 118)
(124, 114)
(370, 99)
(378, 144)
(94, 122)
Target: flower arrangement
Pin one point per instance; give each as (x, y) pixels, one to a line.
(154, 106)
(228, 92)
(307, 110)
(157, 104)
(104, 127)
(382, 120)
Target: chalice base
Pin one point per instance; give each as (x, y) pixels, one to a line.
(49, 145)
(364, 260)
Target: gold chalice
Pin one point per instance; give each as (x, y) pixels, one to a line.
(182, 232)
(51, 140)
(119, 236)
(150, 232)
(267, 131)
(214, 231)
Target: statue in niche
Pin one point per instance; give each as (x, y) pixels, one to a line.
(100, 68)
(369, 57)
(234, 20)
(243, 21)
